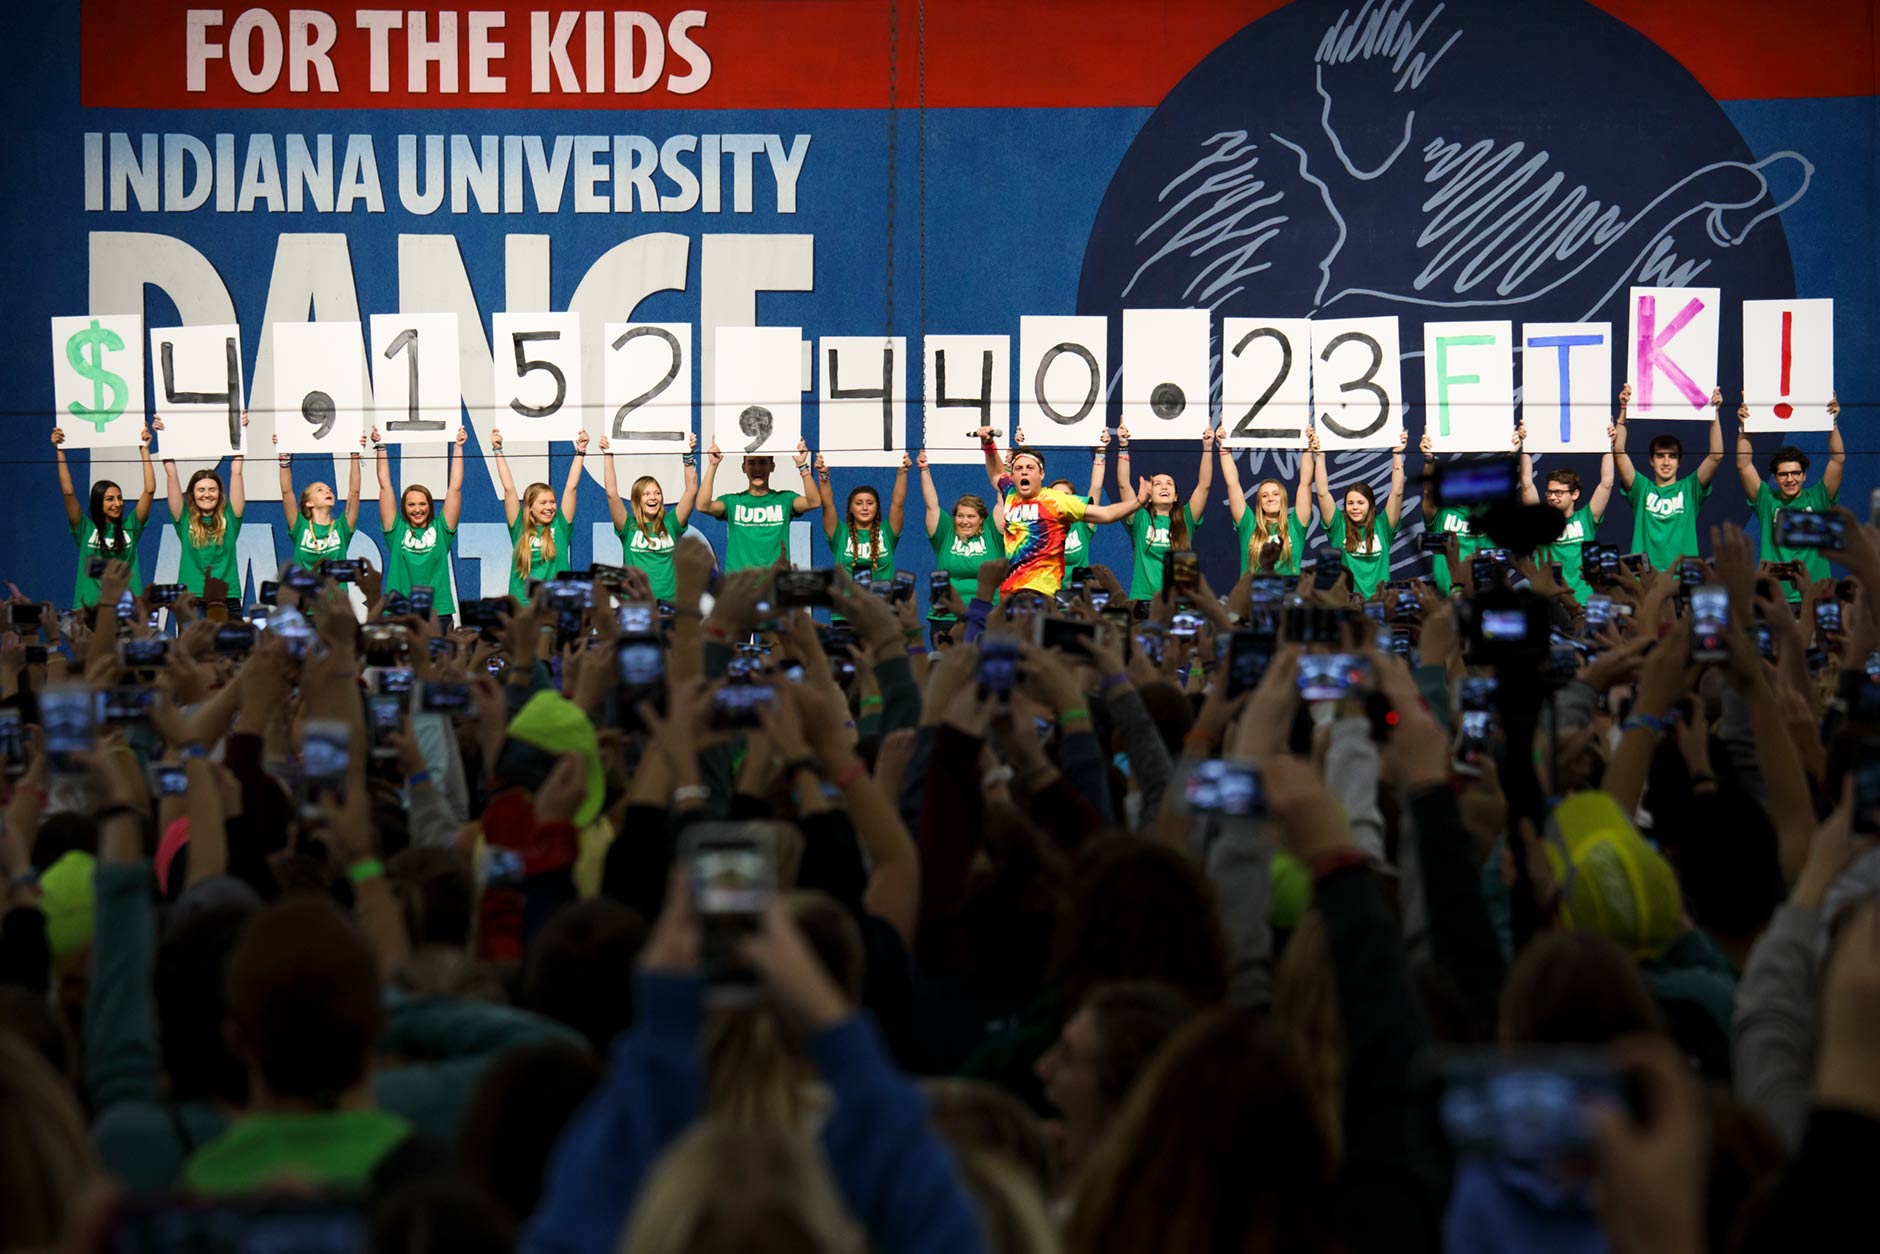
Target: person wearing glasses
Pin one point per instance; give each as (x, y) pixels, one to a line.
(1788, 466)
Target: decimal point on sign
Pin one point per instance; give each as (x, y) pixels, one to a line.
(1167, 400)
(755, 422)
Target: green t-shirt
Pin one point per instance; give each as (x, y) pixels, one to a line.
(1369, 565)
(960, 559)
(421, 559)
(540, 567)
(652, 553)
(85, 589)
(1150, 534)
(1566, 550)
(1664, 519)
(314, 544)
(1295, 532)
(1767, 504)
(850, 550)
(334, 1150)
(757, 528)
(1469, 540)
(1076, 543)
(210, 561)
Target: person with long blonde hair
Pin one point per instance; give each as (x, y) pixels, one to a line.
(419, 533)
(317, 534)
(208, 520)
(543, 533)
(647, 532)
(1269, 522)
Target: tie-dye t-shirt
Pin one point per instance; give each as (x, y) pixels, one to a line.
(1034, 537)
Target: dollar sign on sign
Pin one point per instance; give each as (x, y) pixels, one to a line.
(97, 339)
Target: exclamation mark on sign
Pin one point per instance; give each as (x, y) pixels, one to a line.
(1783, 408)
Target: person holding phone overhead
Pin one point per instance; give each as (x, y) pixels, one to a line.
(1664, 507)
(208, 521)
(860, 540)
(962, 540)
(318, 536)
(1037, 518)
(1788, 467)
(647, 532)
(103, 527)
(1563, 494)
(1461, 521)
(757, 520)
(1165, 525)
(1360, 530)
(418, 533)
(1270, 523)
(542, 532)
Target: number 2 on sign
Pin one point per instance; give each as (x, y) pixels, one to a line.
(659, 385)
(1245, 426)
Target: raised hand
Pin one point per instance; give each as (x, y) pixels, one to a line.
(714, 454)
(920, 459)
(580, 442)
(496, 440)
(58, 435)
(1207, 437)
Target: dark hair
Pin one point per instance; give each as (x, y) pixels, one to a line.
(873, 530)
(1660, 442)
(111, 537)
(1575, 988)
(1570, 480)
(438, 893)
(63, 833)
(1034, 454)
(1140, 911)
(1787, 453)
(303, 992)
(1170, 710)
(1354, 540)
(188, 982)
(578, 968)
(517, 1113)
(1133, 1019)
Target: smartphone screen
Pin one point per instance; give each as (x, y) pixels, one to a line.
(422, 599)
(1330, 676)
(1828, 617)
(1224, 787)
(324, 750)
(998, 666)
(1184, 570)
(1710, 618)
(65, 715)
(731, 868)
(1249, 653)
(937, 584)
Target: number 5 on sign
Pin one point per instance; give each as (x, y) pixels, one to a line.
(1266, 378)
(417, 379)
(98, 380)
(319, 387)
(1357, 382)
(538, 375)
(646, 386)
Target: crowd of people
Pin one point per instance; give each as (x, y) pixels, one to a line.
(1524, 904)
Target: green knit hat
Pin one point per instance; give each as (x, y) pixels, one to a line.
(1611, 881)
(557, 725)
(67, 900)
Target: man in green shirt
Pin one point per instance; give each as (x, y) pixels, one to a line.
(757, 520)
(1563, 494)
(1664, 507)
(1789, 470)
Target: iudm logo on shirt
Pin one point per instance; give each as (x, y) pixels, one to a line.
(643, 543)
(420, 541)
(1664, 506)
(1022, 513)
(327, 543)
(975, 547)
(772, 514)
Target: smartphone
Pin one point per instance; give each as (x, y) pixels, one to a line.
(1484, 570)
(1478, 692)
(1185, 626)
(731, 869)
(1598, 613)
(440, 647)
(145, 654)
(1476, 481)
(167, 779)
(1407, 607)
(1472, 743)
(1271, 587)
(900, 588)
(1249, 653)
(1710, 618)
(270, 593)
(1116, 619)
(435, 698)
(123, 705)
(638, 618)
(1766, 641)
(397, 605)
(520, 764)
(1690, 573)
(485, 614)
(1810, 529)
(422, 601)
(1065, 634)
(94, 569)
(1182, 571)
(385, 641)
(385, 714)
(1828, 617)
(325, 749)
(1635, 562)
(301, 581)
(1433, 542)
(1504, 625)
(12, 741)
(736, 706)
(291, 625)
(1311, 624)
(501, 868)
(1400, 641)
(393, 679)
(1331, 676)
(65, 712)
(1374, 610)
(163, 593)
(1530, 1107)
(36, 655)
(809, 589)
(343, 569)
(568, 594)
(234, 639)
(998, 666)
(1224, 786)
(1325, 574)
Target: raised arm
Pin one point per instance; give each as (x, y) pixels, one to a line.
(989, 445)
(512, 504)
(573, 487)
(1529, 495)
(73, 512)
(688, 494)
(827, 489)
(453, 491)
(897, 497)
(1620, 459)
(929, 495)
(1322, 482)
(237, 489)
(1428, 501)
(1302, 495)
(290, 500)
(1602, 494)
(1830, 474)
(1097, 514)
(1125, 489)
(616, 508)
(149, 493)
(707, 500)
(352, 490)
(1707, 469)
(388, 499)
(173, 486)
(1746, 455)
(1099, 456)
(811, 498)
(1393, 506)
(1230, 477)
(1204, 480)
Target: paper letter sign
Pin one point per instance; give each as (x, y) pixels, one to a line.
(1788, 364)
(1165, 373)
(646, 387)
(417, 379)
(757, 384)
(319, 386)
(1468, 386)
(199, 391)
(862, 390)
(1266, 382)
(1671, 353)
(1357, 382)
(1063, 380)
(968, 383)
(1566, 386)
(98, 380)
(538, 375)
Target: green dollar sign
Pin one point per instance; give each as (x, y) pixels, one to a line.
(97, 339)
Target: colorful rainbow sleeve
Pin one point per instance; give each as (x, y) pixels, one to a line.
(1034, 539)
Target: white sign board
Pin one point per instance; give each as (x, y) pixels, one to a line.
(1266, 382)
(538, 375)
(1671, 351)
(1063, 380)
(1788, 364)
(862, 399)
(1357, 382)
(319, 386)
(1165, 373)
(1468, 386)
(198, 374)
(1566, 386)
(417, 378)
(968, 385)
(757, 390)
(98, 380)
(646, 387)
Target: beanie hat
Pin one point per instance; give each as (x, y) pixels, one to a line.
(1612, 882)
(551, 722)
(67, 900)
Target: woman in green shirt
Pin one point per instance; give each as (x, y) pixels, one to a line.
(1164, 524)
(103, 528)
(859, 540)
(208, 520)
(542, 532)
(317, 535)
(419, 535)
(1269, 522)
(1360, 529)
(961, 540)
(647, 534)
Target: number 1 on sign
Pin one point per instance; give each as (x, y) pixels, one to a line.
(416, 381)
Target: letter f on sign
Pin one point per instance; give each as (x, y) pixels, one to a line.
(1652, 356)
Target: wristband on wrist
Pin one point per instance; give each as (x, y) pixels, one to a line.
(917, 650)
(365, 869)
(1703, 777)
(1205, 739)
(194, 749)
(1649, 722)
(690, 793)
(1111, 681)
(995, 777)
(118, 811)
(866, 702)
(32, 790)
(417, 777)
(1068, 716)
(851, 774)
